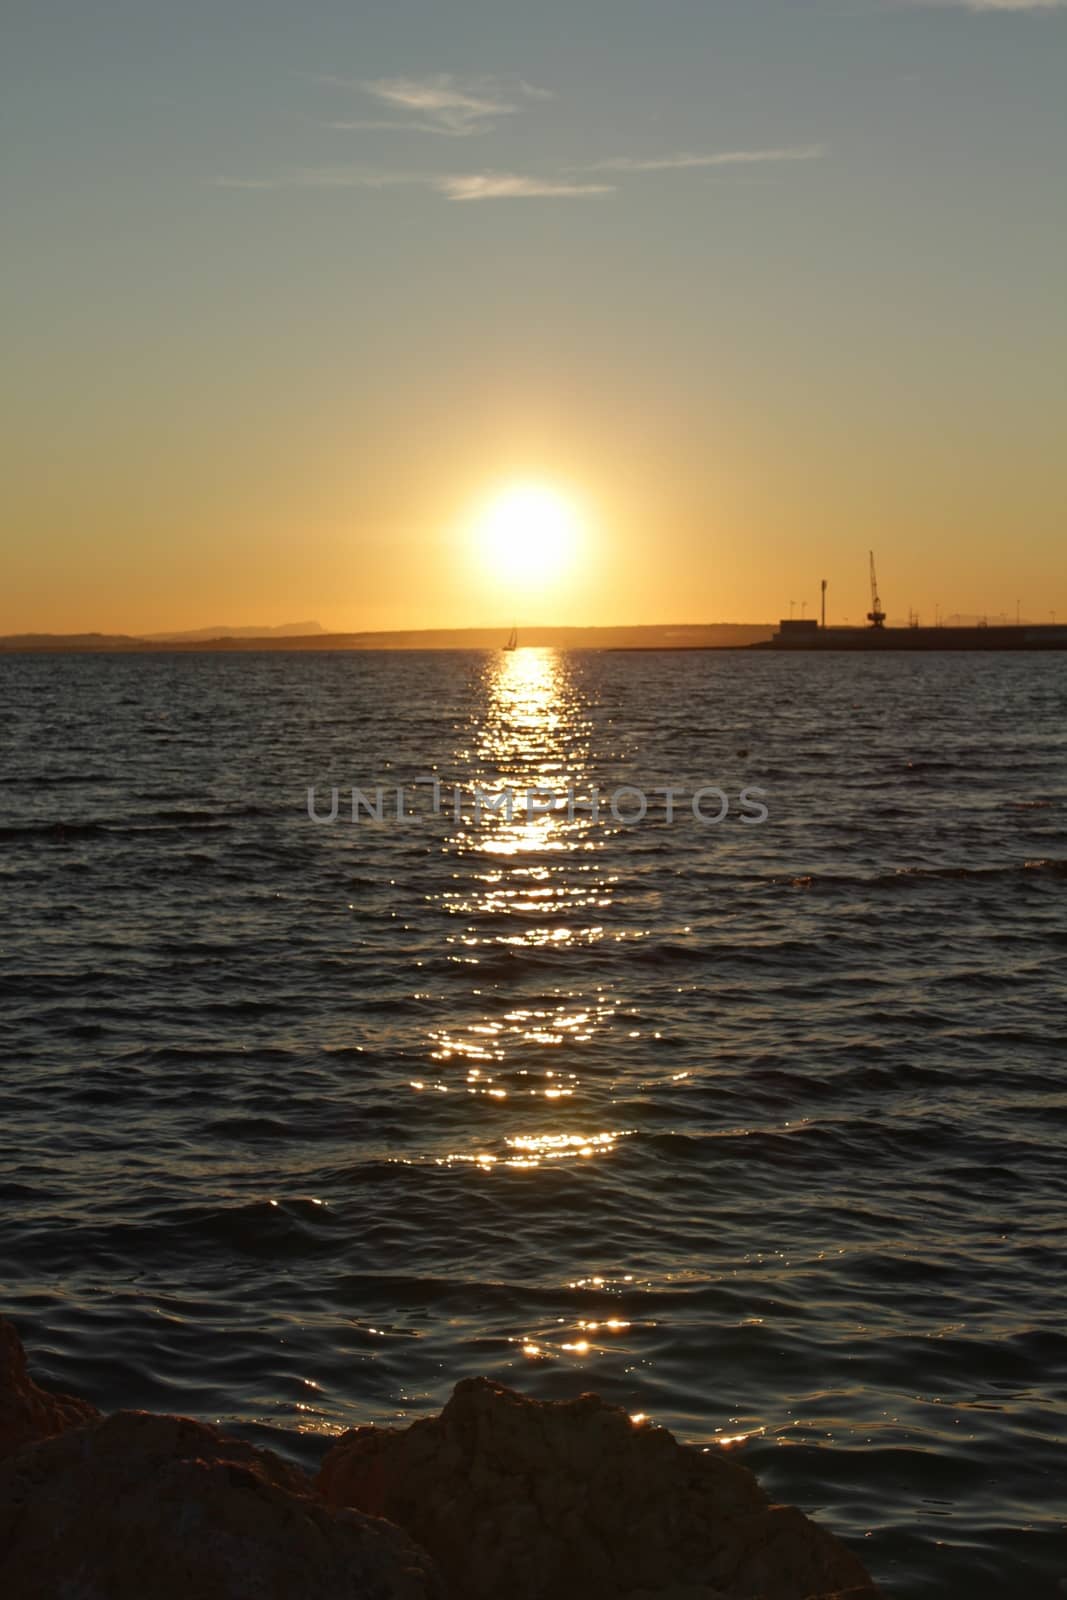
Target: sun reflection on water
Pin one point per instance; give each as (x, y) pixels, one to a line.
(530, 1150)
(522, 885)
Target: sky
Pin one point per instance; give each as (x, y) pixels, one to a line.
(297, 294)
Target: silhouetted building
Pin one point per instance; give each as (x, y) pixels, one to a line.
(798, 629)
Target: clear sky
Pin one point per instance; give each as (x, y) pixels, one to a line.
(292, 291)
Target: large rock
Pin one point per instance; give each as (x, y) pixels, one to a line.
(141, 1505)
(28, 1412)
(521, 1500)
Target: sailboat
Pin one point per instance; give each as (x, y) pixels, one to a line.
(513, 640)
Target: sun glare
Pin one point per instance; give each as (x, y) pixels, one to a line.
(527, 535)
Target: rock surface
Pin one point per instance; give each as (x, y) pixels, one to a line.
(520, 1500)
(511, 1498)
(139, 1505)
(28, 1412)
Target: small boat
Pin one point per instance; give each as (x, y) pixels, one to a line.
(513, 640)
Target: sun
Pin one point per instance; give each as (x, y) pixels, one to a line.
(527, 535)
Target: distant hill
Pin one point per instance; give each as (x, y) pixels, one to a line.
(70, 641)
(284, 630)
(682, 636)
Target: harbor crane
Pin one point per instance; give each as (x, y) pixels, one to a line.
(875, 616)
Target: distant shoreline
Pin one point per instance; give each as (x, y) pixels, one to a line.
(695, 636)
(679, 639)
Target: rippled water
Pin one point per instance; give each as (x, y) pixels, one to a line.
(757, 1129)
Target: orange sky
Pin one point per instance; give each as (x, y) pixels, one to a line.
(754, 293)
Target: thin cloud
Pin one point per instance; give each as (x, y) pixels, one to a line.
(506, 186)
(456, 186)
(721, 158)
(442, 103)
(379, 125)
(570, 184)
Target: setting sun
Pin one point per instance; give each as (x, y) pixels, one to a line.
(528, 534)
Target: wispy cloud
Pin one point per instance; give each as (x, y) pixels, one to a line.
(378, 125)
(506, 186)
(720, 158)
(441, 104)
(465, 112)
(454, 186)
(532, 92)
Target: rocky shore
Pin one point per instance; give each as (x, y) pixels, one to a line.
(499, 1498)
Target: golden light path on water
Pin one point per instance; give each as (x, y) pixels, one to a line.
(539, 885)
(524, 883)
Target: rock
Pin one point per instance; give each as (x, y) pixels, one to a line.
(517, 1499)
(142, 1505)
(28, 1412)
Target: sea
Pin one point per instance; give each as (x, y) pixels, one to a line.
(753, 1124)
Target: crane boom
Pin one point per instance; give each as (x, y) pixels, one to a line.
(875, 616)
